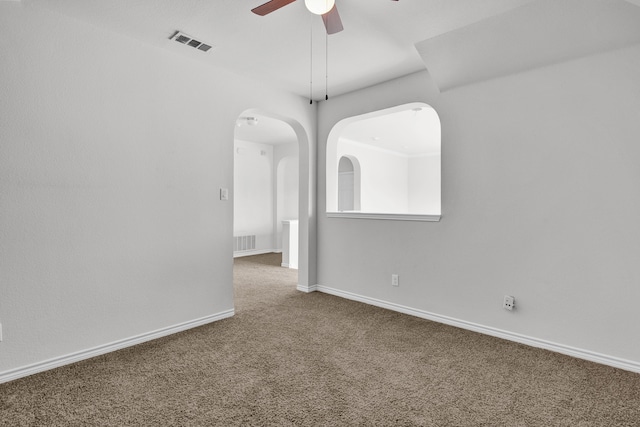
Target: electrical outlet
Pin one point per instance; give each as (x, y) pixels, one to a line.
(224, 194)
(395, 280)
(509, 302)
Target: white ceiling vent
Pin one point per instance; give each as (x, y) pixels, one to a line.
(181, 37)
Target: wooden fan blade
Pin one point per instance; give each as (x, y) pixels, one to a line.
(270, 6)
(332, 21)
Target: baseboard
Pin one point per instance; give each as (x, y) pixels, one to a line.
(591, 356)
(307, 288)
(25, 371)
(254, 252)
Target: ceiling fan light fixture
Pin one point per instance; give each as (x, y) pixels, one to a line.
(319, 7)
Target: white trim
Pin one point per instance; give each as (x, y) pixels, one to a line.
(240, 254)
(579, 353)
(307, 288)
(384, 216)
(56, 362)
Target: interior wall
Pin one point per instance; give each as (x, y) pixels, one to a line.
(111, 163)
(266, 191)
(425, 184)
(254, 191)
(539, 201)
(287, 202)
(289, 189)
(383, 177)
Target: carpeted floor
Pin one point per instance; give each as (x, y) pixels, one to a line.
(289, 358)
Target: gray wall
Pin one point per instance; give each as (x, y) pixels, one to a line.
(540, 200)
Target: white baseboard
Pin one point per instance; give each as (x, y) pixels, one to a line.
(56, 362)
(306, 288)
(603, 359)
(254, 252)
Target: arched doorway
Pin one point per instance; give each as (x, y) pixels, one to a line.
(296, 147)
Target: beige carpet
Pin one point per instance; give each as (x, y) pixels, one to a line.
(289, 358)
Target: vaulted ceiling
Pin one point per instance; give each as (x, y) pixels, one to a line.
(457, 41)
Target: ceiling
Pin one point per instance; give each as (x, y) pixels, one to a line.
(264, 130)
(540, 33)
(457, 41)
(412, 131)
(376, 45)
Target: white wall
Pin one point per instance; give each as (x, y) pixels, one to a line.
(393, 182)
(539, 200)
(287, 202)
(384, 177)
(111, 162)
(266, 191)
(424, 184)
(254, 192)
(288, 189)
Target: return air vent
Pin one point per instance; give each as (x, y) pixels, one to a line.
(190, 41)
(244, 243)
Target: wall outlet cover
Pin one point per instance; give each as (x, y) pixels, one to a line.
(395, 280)
(509, 302)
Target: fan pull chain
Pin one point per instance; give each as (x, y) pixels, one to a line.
(311, 65)
(326, 69)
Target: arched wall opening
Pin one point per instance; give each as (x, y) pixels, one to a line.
(397, 151)
(348, 184)
(286, 165)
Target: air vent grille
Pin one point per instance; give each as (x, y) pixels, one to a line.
(182, 39)
(190, 41)
(244, 243)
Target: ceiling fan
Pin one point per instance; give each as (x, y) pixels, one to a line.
(326, 8)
